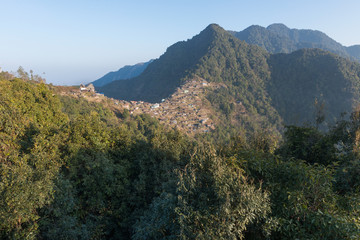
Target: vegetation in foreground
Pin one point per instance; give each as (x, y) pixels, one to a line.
(71, 169)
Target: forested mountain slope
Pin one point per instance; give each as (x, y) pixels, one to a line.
(273, 89)
(354, 51)
(163, 75)
(277, 38)
(310, 82)
(240, 69)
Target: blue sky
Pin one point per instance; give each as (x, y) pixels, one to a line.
(78, 41)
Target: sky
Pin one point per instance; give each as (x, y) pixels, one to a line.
(69, 42)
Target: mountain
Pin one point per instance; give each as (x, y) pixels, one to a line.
(274, 89)
(278, 38)
(126, 72)
(311, 80)
(271, 41)
(163, 75)
(354, 51)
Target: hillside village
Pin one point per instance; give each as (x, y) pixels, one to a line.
(185, 109)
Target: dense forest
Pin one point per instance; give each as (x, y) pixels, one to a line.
(71, 169)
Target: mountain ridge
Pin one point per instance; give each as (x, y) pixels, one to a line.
(278, 38)
(126, 72)
(251, 78)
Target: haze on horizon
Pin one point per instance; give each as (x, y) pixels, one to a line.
(75, 42)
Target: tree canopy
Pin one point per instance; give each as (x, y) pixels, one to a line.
(71, 169)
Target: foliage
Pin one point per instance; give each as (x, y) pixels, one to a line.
(304, 198)
(210, 201)
(31, 132)
(22, 74)
(309, 144)
(70, 169)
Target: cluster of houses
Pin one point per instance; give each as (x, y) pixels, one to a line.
(185, 109)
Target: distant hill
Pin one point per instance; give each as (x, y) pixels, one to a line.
(126, 72)
(273, 88)
(354, 51)
(278, 38)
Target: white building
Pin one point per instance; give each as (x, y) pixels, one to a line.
(156, 105)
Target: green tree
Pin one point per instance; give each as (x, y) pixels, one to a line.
(212, 201)
(31, 124)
